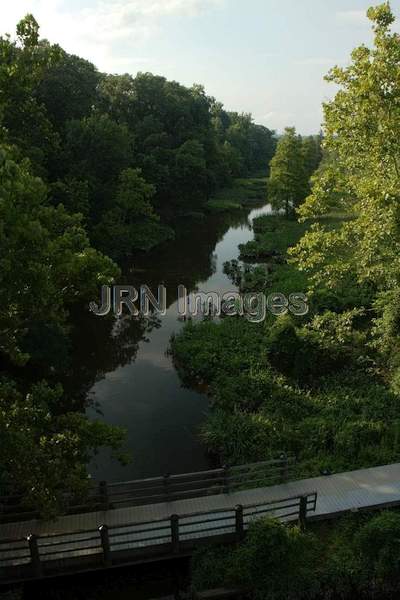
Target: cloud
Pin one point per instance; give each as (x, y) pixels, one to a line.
(105, 32)
(353, 17)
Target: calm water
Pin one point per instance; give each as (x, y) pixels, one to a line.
(135, 383)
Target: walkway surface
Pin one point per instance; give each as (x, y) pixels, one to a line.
(338, 493)
(74, 543)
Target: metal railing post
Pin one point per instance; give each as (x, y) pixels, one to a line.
(105, 544)
(303, 511)
(175, 533)
(35, 555)
(239, 524)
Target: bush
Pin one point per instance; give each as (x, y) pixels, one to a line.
(378, 546)
(275, 562)
(240, 437)
(298, 353)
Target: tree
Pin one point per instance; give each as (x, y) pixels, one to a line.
(287, 175)
(131, 223)
(311, 151)
(43, 454)
(97, 149)
(22, 65)
(190, 172)
(362, 177)
(46, 260)
(174, 139)
(68, 89)
(72, 193)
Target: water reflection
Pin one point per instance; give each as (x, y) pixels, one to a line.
(122, 368)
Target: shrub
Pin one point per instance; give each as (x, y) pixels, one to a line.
(378, 545)
(274, 562)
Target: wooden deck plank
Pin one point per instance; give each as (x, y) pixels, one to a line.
(337, 493)
(373, 486)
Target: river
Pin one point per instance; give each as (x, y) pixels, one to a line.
(123, 367)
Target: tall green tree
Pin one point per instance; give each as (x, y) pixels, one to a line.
(287, 173)
(131, 223)
(361, 178)
(68, 89)
(22, 65)
(46, 261)
(311, 151)
(96, 150)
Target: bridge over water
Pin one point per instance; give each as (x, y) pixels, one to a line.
(171, 527)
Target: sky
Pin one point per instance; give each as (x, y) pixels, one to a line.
(267, 57)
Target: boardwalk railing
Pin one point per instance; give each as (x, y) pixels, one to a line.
(103, 495)
(57, 554)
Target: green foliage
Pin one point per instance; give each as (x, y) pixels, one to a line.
(356, 556)
(378, 543)
(44, 453)
(240, 437)
(274, 562)
(300, 354)
(87, 156)
(47, 263)
(73, 194)
(98, 149)
(361, 177)
(68, 89)
(285, 386)
(273, 236)
(294, 162)
(82, 130)
(278, 561)
(361, 133)
(131, 223)
(202, 351)
(22, 65)
(186, 145)
(241, 193)
(254, 143)
(361, 555)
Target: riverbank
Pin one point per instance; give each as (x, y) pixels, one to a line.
(244, 192)
(291, 383)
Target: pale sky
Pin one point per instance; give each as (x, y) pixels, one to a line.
(267, 57)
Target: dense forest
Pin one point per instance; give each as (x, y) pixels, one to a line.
(96, 169)
(93, 169)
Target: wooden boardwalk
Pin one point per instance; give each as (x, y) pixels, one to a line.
(138, 492)
(137, 533)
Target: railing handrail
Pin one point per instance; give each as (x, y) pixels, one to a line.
(309, 495)
(219, 470)
(164, 487)
(41, 553)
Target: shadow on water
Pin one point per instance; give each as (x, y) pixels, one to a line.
(121, 371)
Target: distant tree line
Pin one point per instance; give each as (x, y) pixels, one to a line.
(120, 150)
